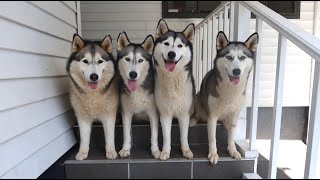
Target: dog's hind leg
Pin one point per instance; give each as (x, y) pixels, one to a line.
(154, 126)
(126, 121)
(85, 131)
(109, 122)
(184, 129)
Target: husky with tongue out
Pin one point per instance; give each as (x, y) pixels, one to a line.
(134, 62)
(94, 91)
(174, 85)
(222, 92)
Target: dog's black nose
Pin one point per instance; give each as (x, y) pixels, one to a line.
(171, 55)
(236, 72)
(94, 77)
(133, 75)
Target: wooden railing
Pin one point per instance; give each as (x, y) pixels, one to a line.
(237, 26)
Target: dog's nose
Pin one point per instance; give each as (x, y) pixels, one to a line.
(236, 72)
(133, 75)
(171, 55)
(94, 77)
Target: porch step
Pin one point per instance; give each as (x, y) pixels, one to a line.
(141, 164)
(141, 135)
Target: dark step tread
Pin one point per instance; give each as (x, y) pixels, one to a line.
(200, 152)
(141, 165)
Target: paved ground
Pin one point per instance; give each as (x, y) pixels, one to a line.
(291, 160)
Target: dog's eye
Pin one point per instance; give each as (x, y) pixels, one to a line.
(229, 57)
(140, 60)
(100, 61)
(242, 57)
(166, 43)
(85, 61)
(127, 59)
(180, 46)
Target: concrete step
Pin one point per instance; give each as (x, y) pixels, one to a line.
(141, 164)
(141, 135)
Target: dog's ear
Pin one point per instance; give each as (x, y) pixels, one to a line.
(77, 43)
(189, 32)
(148, 44)
(106, 44)
(162, 28)
(222, 41)
(123, 41)
(252, 42)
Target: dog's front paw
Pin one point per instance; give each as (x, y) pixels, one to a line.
(156, 154)
(213, 157)
(124, 153)
(235, 154)
(164, 155)
(111, 154)
(81, 155)
(187, 154)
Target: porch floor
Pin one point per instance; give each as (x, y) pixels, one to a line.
(291, 158)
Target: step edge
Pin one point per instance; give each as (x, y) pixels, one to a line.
(125, 161)
(243, 148)
(251, 176)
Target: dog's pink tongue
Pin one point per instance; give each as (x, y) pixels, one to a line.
(170, 65)
(132, 85)
(93, 85)
(235, 80)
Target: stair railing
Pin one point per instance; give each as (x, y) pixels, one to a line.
(236, 27)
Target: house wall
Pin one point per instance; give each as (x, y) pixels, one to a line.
(140, 18)
(35, 116)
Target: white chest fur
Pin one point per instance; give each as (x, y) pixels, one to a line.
(173, 92)
(137, 101)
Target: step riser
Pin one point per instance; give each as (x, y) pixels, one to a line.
(141, 135)
(163, 170)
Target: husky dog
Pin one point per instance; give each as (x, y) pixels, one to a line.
(222, 92)
(134, 62)
(174, 84)
(94, 90)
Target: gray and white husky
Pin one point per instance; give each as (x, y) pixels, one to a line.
(222, 92)
(137, 88)
(94, 90)
(174, 84)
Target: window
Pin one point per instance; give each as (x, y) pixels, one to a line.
(200, 9)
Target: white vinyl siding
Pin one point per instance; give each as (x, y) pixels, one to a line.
(35, 112)
(139, 19)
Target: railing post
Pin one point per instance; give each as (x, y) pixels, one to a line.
(225, 18)
(194, 61)
(241, 33)
(198, 59)
(277, 107)
(255, 89)
(241, 22)
(205, 49)
(220, 20)
(214, 39)
(210, 47)
(231, 22)
(314, 126)
(200, 73)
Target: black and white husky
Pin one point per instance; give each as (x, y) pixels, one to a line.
(222, 92)
(94, 91)
(174, 85)
(137, 88)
